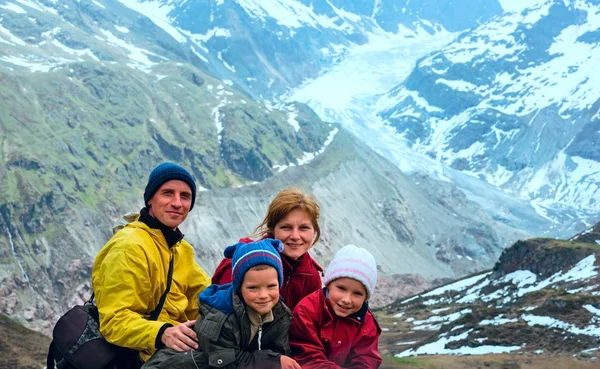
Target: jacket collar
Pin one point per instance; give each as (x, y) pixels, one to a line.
(304, 264)
(358, 317)
(219, 297)
(172, 236)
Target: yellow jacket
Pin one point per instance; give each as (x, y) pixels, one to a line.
(130, 276)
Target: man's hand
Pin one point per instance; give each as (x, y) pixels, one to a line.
(289, 363)
(180, 337)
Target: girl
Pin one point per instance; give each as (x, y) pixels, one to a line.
(333, 328)
(292, 218)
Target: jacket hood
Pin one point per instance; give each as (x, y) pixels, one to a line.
(218, 297)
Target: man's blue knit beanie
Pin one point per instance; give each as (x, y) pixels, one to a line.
(166, 172)
(247, 255)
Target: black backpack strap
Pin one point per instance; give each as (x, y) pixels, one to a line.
(156, 312)
(154, 315)
(50, 357)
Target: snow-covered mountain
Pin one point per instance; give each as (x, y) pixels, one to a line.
(269, 46)
(265, 47)
(451, 116)
(95, 93)
(514, 102)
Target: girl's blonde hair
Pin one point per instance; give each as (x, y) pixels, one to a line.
(286, 201)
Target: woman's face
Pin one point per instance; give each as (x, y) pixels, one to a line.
(296, 231)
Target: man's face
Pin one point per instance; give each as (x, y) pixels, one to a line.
(171, 203)
(260, 289)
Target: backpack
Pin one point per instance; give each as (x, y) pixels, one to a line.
(78, 344)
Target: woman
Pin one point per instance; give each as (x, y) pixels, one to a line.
(292, 218)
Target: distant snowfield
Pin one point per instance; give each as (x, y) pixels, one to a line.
(516, 5)
(346, 93)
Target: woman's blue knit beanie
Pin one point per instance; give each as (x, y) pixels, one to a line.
(166, 172)
(247, 255)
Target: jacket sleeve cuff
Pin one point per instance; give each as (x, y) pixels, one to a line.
(158, 344)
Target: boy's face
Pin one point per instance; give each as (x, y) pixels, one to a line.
(260, 289)
(346, 296)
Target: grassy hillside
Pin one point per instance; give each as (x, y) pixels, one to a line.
(21, 348)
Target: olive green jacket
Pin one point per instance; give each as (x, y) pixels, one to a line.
(224, 341)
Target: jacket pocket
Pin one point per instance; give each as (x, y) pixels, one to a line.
(170, 359)
(221, 358)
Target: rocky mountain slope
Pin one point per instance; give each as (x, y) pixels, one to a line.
(541, 297)
(94, 95)
(514, 102)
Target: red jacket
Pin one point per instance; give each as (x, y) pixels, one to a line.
(319, 339)
(300, 277)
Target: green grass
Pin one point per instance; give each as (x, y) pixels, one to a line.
(552, 243)
(410, 361)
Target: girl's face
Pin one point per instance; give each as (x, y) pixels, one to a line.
(296, 231)
(346, 296)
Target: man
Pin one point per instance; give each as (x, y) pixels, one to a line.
(130, 272)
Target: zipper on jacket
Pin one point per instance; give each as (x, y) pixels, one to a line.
(287, 286)
(260, 324)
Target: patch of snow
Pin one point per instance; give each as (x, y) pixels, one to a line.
(499, 320)
(292, 14)
(429, 323)
(462, 86)
(529, 308)
(53, 31)
(138, 56)
(204, 37)
(457, 286)
(121, 29)
(439, 348)
(308, 157)
(36, 65)
(158, 12)
(98, 4)
(584, 269)
(292, 120)
(550, 322)
(37, 6)
(517, 5)
(410, 299)
(13, 8)
(200, 56)
(78, 53)
(12, 39)
(592, 309)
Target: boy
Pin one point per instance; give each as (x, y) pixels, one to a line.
(243, 324)
(333, 328)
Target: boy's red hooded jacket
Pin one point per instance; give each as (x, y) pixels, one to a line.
(319, 339)
(300, 277)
